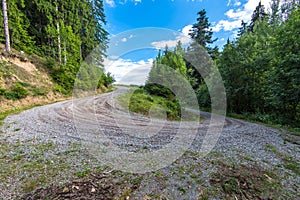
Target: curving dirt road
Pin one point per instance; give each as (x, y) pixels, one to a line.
(134, 143)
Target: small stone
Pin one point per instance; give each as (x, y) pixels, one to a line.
(75, 187)
(66, 190)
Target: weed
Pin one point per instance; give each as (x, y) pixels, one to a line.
(138, 180)
(182, 189)
(271, 148)
(125, 194)
(83, 173)
(17, 129)
(158, 174)
(291, 164)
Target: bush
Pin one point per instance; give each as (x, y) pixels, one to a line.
(159, 90)
(141, 102)
(2, 91)
(60, 89)
(17, 92)
(50, 63)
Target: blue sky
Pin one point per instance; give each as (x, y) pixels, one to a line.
(134, 45)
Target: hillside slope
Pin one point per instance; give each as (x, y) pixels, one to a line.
(25, 81)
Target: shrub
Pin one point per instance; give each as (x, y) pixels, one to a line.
(60, 89)
(17, 92)
(2, 91)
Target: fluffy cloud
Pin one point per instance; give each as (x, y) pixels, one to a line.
(186, 30)
(137, 1)
(127, 71)
(111, 3)
(171, 43)
(235, 16)
(226, 25)
(124, 40)
(236, 3)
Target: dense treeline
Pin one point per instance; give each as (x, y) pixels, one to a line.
(260, 68)
(65, 32)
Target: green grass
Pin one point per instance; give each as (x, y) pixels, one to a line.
(271, 148)
(139, 101)
(291, 164)
(32, 163)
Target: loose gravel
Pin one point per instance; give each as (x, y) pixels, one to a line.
(82, 120)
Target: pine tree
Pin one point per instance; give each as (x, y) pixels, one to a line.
(201, 31)
(275, 15)
(243, 29)
(258, 15)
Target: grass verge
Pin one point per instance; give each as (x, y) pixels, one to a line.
(139, 101)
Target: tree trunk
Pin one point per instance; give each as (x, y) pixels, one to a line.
(6, 29)
(58, 37)
(65, 53)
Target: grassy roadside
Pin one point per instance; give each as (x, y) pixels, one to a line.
(139, 101)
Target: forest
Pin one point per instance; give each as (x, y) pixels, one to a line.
(63, 32)
(260, 68)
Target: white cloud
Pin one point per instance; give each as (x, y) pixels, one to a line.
(124, 40)
(186, 30)
(171, 43)
(137, 1)
(236, 3)
(229, 2)
(235, 16)
(111, 3)
(226, 25)
(126, 71)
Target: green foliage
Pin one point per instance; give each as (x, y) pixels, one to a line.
(201, 31)
(60, 89)
(142, 102)
(106, 80)
(17, 92)
(261, 68)
(39, 91)
(162, 77)
(18, 27)
(64, 77)
(65, 32)
(2, 91)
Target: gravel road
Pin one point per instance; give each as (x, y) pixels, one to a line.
(102, 127)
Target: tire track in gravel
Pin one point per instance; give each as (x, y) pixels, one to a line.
(82, 119)
(60, 122)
